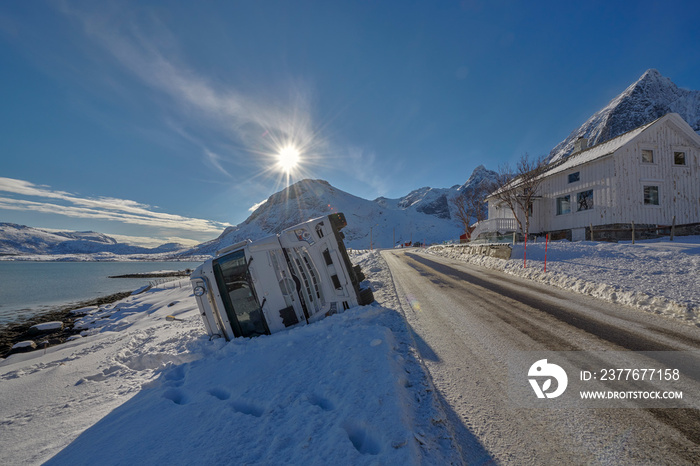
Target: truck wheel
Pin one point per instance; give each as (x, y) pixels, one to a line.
(366, 296)
(359, 274)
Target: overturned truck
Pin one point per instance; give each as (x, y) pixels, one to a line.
(294, 278)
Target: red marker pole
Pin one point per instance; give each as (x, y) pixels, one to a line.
(545, 253)
(525, 254)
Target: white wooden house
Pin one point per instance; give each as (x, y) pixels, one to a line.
(646, 176)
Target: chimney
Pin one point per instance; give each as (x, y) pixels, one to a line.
(580, 144)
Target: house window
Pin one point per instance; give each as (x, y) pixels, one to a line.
(563, 205)
(584, 200)
(651, 195)
(679, 158)
(574, 177)
(647, 156)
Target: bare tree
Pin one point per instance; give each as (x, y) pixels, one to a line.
(469, 204)
(518, 188)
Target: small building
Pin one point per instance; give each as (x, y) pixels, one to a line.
(649, 176)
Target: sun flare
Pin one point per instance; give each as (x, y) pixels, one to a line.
(288, 159)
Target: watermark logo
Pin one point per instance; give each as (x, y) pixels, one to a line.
(544, 371)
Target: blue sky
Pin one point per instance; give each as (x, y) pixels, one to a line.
(162, 119)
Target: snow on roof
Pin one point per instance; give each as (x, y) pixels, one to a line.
(597, 151)
(606, 148)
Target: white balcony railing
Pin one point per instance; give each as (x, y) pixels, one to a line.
(493, 225)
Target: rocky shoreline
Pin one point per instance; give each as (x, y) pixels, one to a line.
(15, 332)
(174, 273)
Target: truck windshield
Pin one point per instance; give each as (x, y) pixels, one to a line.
(238, 295)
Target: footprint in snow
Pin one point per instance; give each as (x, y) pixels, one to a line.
(176, 375)
(362, 439)
(247, 408)
(220, 393)
(177, 396)
(321, 402)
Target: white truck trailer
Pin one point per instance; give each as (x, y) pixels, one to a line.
(294, 278)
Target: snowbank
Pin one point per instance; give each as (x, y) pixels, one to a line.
(657, 276)
(139, 388)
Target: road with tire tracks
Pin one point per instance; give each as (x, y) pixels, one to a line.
(466, 321)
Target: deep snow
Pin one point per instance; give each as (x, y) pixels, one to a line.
(138, 389)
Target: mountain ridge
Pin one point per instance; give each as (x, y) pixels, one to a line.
(18, 240)
(425, 214)
(650, 97)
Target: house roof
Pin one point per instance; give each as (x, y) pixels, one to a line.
(598, 151)
(609, 147)
(612, 145)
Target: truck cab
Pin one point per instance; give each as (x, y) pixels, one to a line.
(296, 277)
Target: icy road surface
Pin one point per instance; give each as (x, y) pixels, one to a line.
(467, 319)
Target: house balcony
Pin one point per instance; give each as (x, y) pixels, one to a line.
(494, 225)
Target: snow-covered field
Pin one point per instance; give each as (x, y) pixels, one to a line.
(141, 389)
(658, 276)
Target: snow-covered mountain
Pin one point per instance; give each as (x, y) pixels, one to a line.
(649, 98)
(21, 240)
(437, 201)
(424, 214)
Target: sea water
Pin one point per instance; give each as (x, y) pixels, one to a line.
(30, 288)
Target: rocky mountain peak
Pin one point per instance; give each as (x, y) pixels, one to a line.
(424, 212)
(650, 97)
(478, 176)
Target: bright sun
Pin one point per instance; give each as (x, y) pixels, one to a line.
(288, 158)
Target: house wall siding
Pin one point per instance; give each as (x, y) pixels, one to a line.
(618, 184)
(618, 181)
(596, 176)
(679, 186)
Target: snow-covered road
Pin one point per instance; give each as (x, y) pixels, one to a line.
(467, 319)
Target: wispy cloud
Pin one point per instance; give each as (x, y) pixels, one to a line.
(358, 162)
(102, 208)
(215, 160)
(249, 121)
